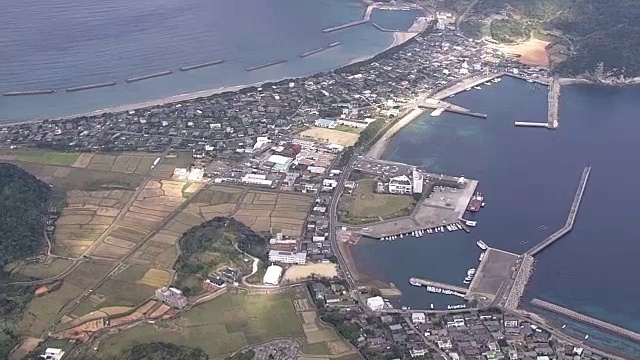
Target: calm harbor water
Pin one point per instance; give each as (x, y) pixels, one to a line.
(55, 44)
(528, 177)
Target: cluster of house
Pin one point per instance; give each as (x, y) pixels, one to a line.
(233, 122)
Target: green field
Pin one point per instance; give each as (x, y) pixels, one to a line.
(46, 157)
(348, 129)
(219, 327)
(180, 159)
(365, 206)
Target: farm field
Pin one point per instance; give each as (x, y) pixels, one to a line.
(40, 156)
(158, 200)
(331, 136)
(85, 217)
(234, 321)
(161, 250)
(66, 178)
(320, 339)
(122, 163)
(129, 287)
(364, 205)
(39, 270)
(43, 310)
(274, 212)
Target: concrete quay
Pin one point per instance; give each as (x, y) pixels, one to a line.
(554, 104)
(415, 281)
(531, 124)
(570, 219)
(586, 319)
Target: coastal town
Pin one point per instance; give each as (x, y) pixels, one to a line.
(305, 151)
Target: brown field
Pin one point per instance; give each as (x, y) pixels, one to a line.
(26, 346)
(42, 311)
(85, 218)
(156, 278)
(301, 272)
(331, 136)
(156, 202)
(40, 270)
(274, 212)
(83, 160)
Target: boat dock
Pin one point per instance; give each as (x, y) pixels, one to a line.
(29, 92)
(531, 124)
(554, 104)
(150, 76)
(570, 220)
(365, 19)
(452, 108)
(92, 86)
(438, 285)
(272, 63)
(585, 319)
(198, 66)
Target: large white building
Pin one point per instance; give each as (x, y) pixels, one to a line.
(52, 354)
(288, 257)
(404, 185)
(256, 179)
(272, 275)
(375, 303)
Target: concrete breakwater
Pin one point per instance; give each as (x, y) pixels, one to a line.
(570, 219)
(318, 50)
(150, 76)
(585, 319)
(272, 63)
(201, 65)
(375, 25)
(29, 92)
(92, 86)
(365, 19)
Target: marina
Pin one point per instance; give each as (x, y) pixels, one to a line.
(439, 287)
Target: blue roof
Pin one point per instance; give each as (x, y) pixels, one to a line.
(325, 122)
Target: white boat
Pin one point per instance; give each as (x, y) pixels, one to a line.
(586, 336)
(471, 272)
(468, 89)
(481, 256)
(529, 80)
(441, 228)
(487, 83)
(482, 245)
(429, 231)
(477, 87)
(432, 306)
(466, 281)
(413, 282)
(459, 226)
(470, 223)
(564, 326)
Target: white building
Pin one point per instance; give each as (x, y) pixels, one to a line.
(52, 354)
(418, 318)
(375, 303)
(417, 180)
(353, 123)
(256, 179)
(418, 352)
(400, 185)
(272, 275)
(329, 183)
(330, 124)
(260, 142)
(288, 257)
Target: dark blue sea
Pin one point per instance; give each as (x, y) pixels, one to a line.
(56, 44)
(528, 177)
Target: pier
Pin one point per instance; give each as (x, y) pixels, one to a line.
(92, 86)
(570, 220)
(29, 92)
(365, 19)
(438, 285)
(454, 109)
(554, 100)
(586, 319)
(198, 66)
(150, 76)
(273, 63)
(531, 124)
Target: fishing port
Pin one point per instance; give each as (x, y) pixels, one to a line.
(150, 76)
(92, 86)
(586, 319)
(201, 65)
(29, 92)
(570, 219)
(319, 50)
(272, 63)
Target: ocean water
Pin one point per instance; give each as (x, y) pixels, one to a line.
(56, 44)
(528, 177)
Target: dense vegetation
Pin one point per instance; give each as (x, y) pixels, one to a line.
(209, 245)
(24, 202)
(604, 33)
(163, 351)
(509, 30)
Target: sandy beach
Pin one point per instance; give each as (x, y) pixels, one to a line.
(378, 148)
